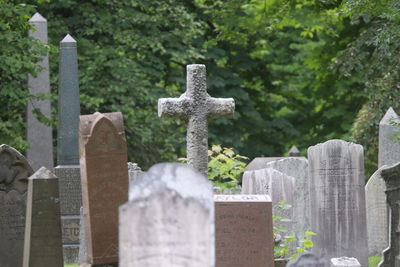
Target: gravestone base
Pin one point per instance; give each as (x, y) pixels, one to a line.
(99, 265)
(70, 253)
(70, 203)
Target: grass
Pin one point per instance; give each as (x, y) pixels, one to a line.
(71, 265)
(373, 261)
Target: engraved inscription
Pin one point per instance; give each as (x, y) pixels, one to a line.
(243, 234)
(70, 189)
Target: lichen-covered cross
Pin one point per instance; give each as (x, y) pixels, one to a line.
(196, 107)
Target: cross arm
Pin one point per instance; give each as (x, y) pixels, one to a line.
(173, 107)
(220, 107)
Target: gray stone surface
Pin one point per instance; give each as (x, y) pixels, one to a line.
(261, 162)
(377, 213)
(337, 199)
(69, 179)
(276, 184)
(297, 167)
(68, 171)
(168, 220)
(133, 171)
(68, 104)
(14, 173)
(39, 135)
(389, 148)
(308, 260)
(43, 246)
(391, 176)
(345, 262)
(83, 258)
(196, 107)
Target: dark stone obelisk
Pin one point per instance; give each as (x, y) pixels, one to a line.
(68, 171)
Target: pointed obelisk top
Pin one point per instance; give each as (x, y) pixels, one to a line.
(37, 18)
(294, 152)
(68, 39)
(390, 116)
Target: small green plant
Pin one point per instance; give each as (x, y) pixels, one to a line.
(281, 249)
(225, 168)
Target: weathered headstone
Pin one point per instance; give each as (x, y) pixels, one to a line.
(377, 213)
(68, 171)
(43, 244)
(391, 255)
(337, 199)
(389, 148)
(261, 162)
(243, 230)
(308, 260)
(169, 219)
(134, 171)
(377, 209)
(297, 167)
(105, 182)
(268, 181)
(345, 262)
(14, 173)
(39, 135)
(196, 107)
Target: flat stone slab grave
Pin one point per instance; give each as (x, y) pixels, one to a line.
(243, 230)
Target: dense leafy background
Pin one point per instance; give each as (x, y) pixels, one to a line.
(301, 71)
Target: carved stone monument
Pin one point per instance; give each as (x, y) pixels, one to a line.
(377, 214)
(14, 173)
(243, 230)
(134, 171)
(196, 107)
(389, 148)
(297, 167)
(43, 244)
(169, 219)
(270, 182)
(105, 183)
(391, 255)
(337, 199)
(67, 170)
(38, 134)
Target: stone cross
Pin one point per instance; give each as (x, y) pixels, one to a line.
(39, 135)
(196, 107)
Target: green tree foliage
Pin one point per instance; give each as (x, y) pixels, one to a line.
(18, 54)
(301, 71)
